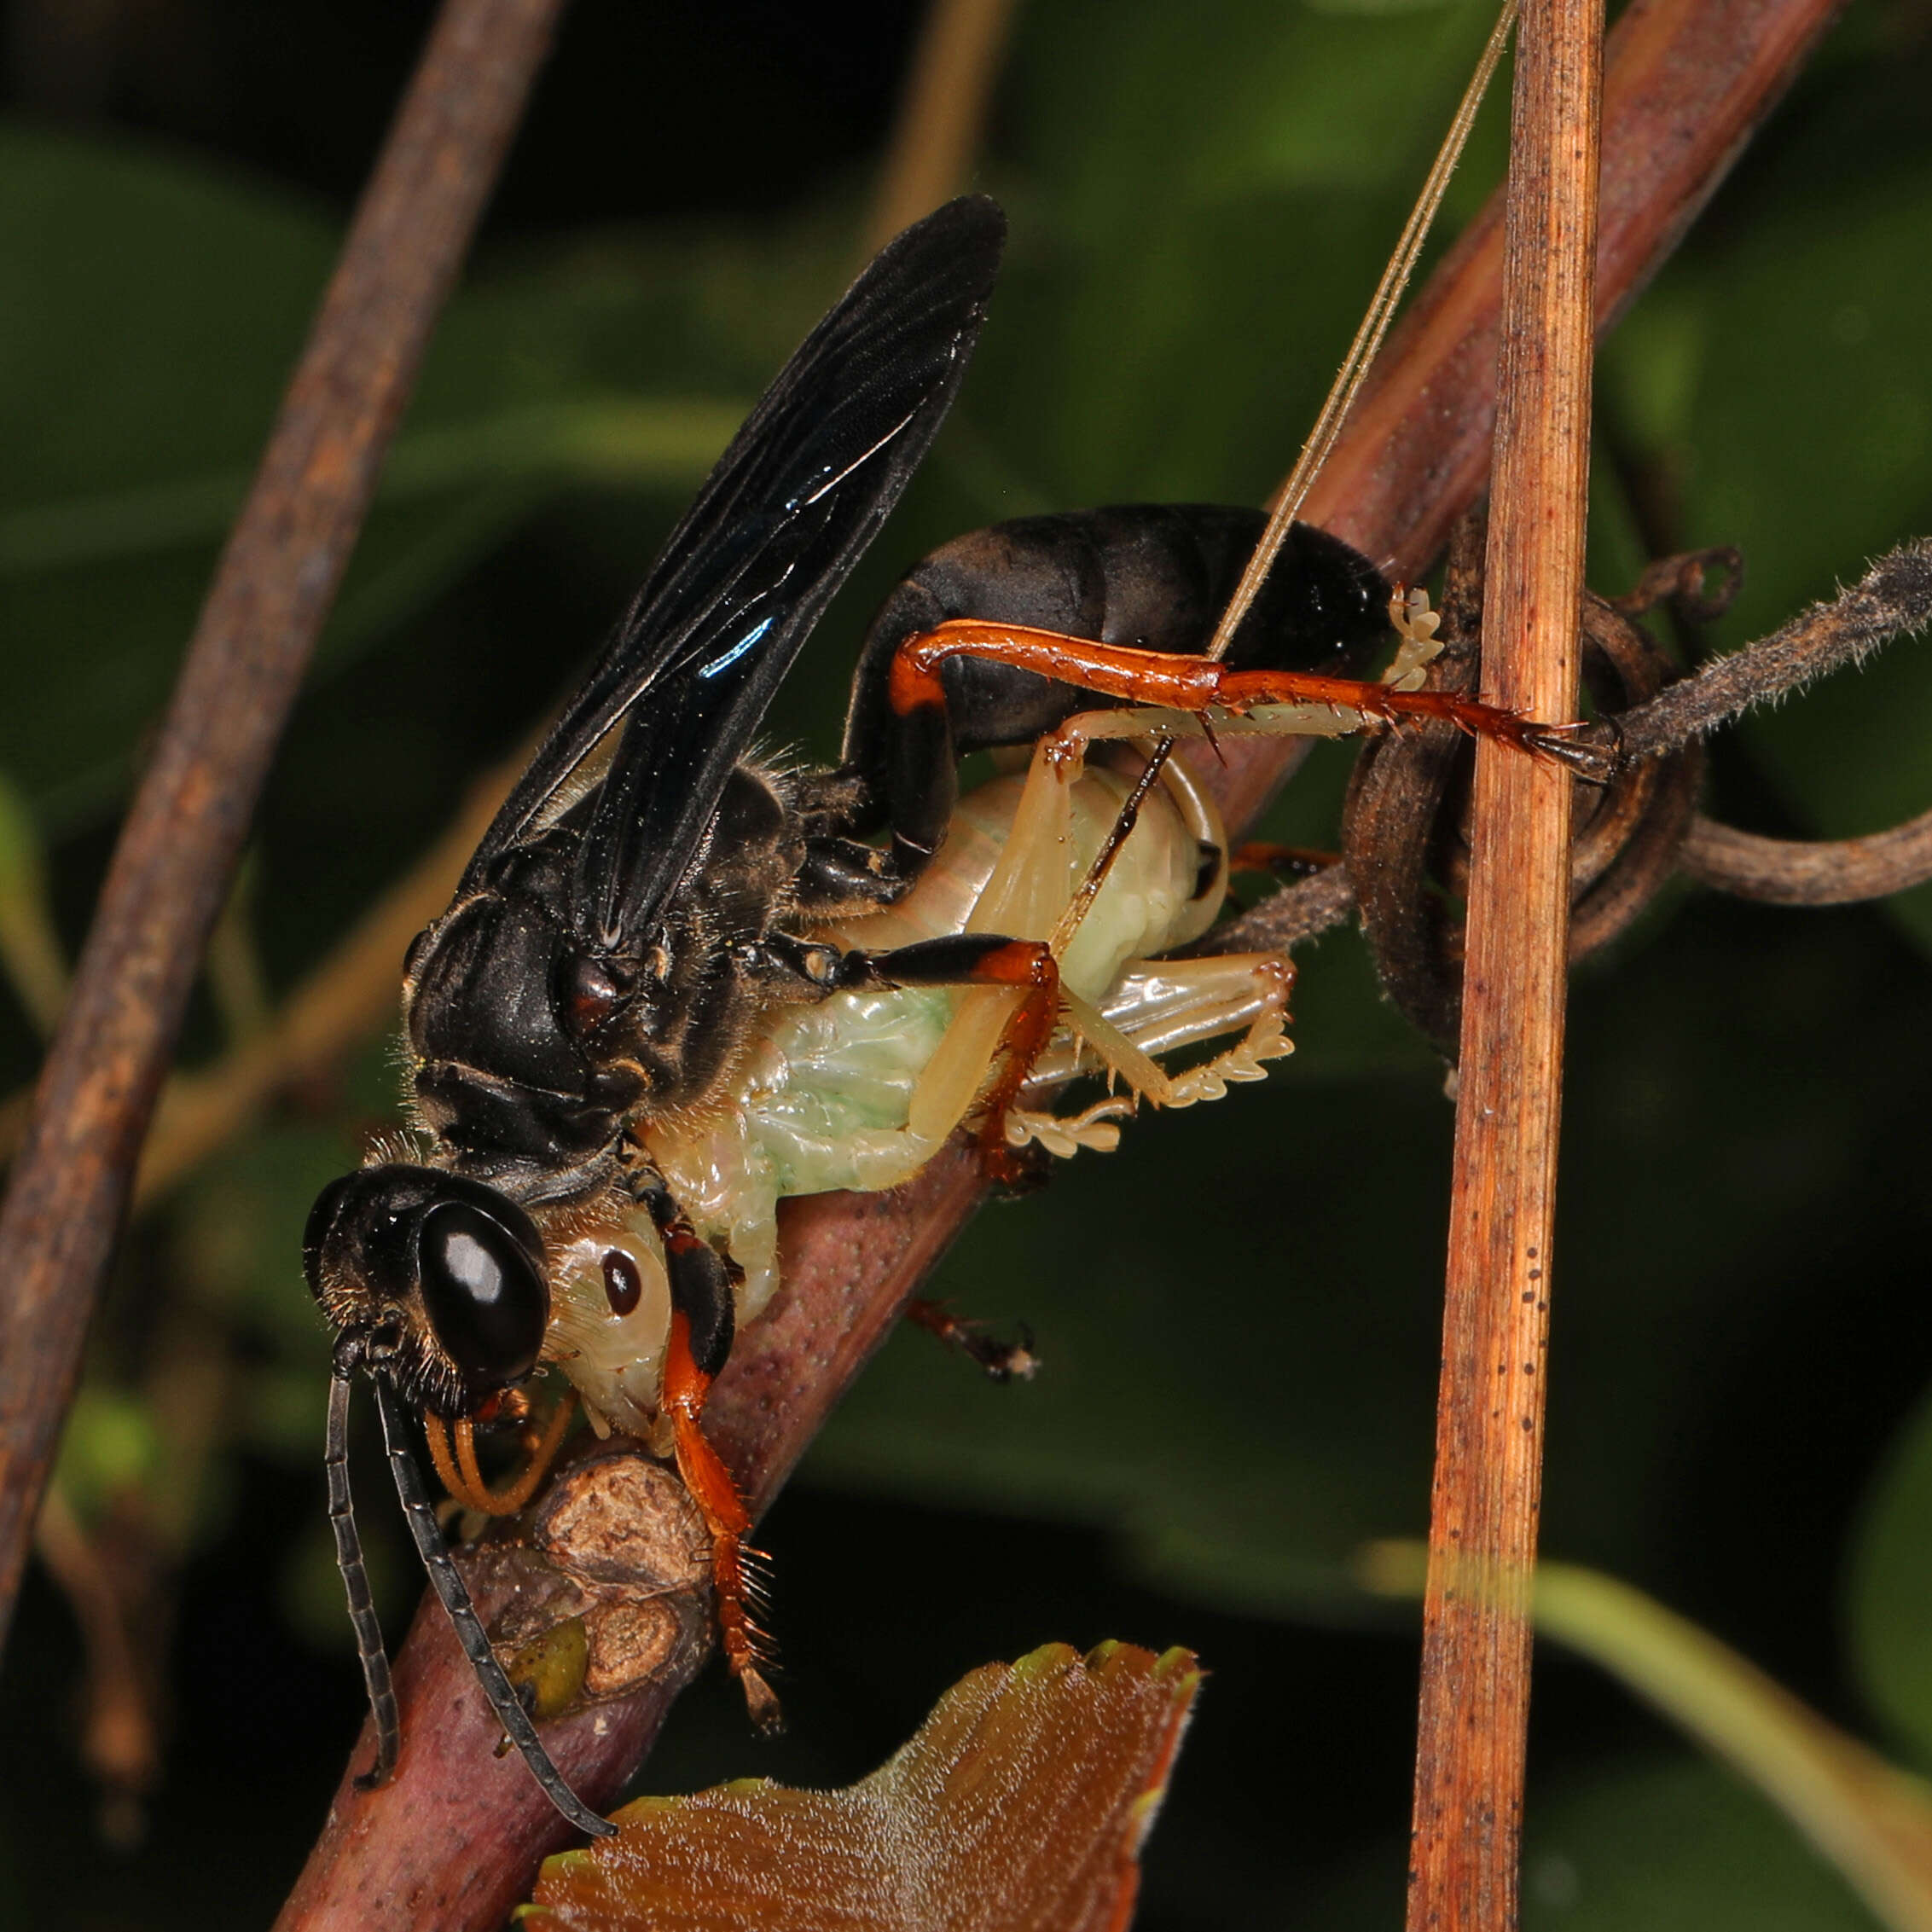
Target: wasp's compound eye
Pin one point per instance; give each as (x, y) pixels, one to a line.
(483, 1294)
(321, 1219)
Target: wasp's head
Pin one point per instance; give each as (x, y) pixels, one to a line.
(434, 1282)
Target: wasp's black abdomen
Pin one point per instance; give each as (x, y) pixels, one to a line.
(1155, 576)
(1151, 576)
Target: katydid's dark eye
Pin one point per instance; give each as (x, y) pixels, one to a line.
(624, 1286)
(483, 1294)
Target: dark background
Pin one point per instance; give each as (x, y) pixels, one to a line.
(1237, 1312)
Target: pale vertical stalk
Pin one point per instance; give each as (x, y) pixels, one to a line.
(942, 112)
(1475, 1698)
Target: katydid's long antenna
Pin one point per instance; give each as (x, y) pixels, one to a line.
(1354, 372)
(356, 1585)
(1122, 830)
(449, 1585)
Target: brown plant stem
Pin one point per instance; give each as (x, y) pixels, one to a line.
(273, 587)
(1690, 78)
(1474, 1710)
(1808, 872)
(456, 1838)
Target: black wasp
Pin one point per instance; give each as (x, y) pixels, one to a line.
(677, 981)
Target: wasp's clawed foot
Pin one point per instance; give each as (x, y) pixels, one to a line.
(1592, 752)
(761, 1702)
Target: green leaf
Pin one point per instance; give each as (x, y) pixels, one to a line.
(127, 450)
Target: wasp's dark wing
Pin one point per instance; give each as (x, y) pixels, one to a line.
(780, 522)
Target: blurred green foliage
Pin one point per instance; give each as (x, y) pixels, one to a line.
(1670, 1847)
(1237, 1312)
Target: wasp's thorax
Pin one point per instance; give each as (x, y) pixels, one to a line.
(533, 1046)
(433, 1281)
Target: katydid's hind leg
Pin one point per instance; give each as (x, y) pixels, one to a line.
(1280, 861)
(1169, 1005)
(702, 1325)
(973, 960)
(1163, 1007)
(1000, 1362)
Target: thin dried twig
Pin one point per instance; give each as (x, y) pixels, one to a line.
(1473, 1719)
(276, 580)
(1893, 599)
(1808, 872)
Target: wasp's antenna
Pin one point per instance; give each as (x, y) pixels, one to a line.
(455, 1593)
(356, 1585)
(1351, 376)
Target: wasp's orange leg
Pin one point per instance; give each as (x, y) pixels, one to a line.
(702, 1324)
(1173, 682)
